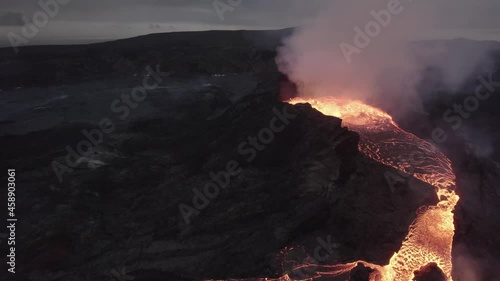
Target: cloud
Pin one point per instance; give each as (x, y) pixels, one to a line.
(8, 18)
(200, 14)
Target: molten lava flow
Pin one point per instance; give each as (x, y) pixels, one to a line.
(430, 236)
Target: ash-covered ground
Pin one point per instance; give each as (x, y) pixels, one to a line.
(171, 157)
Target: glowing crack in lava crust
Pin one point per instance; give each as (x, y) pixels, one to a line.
(430, 236)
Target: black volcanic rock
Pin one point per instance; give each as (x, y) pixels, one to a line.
(477, 215)
(182, 54)
(360, 273)
(430, 272)
(308, 182)
(118, 210)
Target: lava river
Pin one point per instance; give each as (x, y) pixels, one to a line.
(430, 237)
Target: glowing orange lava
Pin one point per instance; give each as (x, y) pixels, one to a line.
(430, 236)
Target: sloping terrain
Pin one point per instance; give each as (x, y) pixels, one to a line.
(120, 206)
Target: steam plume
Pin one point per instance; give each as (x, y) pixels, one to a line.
(368, 51)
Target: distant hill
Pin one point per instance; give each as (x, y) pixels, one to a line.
(183, 53)
(180, 53)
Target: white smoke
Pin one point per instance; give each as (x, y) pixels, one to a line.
(467, 268)
(367, 51)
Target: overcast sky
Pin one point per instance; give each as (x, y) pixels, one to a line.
(81, 21)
